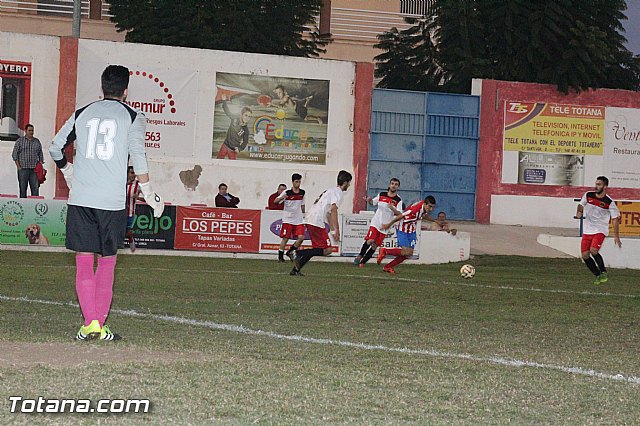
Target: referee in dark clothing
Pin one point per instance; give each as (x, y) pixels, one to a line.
(27, 152)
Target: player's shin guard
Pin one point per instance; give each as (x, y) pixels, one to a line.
(599, 261)
(591, 264)
(368, 255)
(86, 287)
(398, 260)
(104, 286)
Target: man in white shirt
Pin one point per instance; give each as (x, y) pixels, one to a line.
(598, 209)
(325, 209)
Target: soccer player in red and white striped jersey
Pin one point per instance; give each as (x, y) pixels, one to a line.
(133, 194)
(598, 209)
(406, 232)
(389, 204)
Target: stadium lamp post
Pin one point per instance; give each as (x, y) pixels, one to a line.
(77, 14)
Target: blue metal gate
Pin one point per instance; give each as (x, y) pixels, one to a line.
(430, 142)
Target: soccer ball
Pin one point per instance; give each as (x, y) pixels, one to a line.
(467, 271)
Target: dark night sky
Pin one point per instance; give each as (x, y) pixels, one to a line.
(632, 26)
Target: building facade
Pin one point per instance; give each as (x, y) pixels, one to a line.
(354, 24)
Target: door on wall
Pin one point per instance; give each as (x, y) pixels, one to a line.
(430, 142)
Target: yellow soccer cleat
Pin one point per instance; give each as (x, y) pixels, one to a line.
(89, 332)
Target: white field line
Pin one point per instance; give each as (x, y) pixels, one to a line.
(364, 346)
(385, 277)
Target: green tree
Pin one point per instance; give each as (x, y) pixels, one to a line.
(280, 27)
(574, 44)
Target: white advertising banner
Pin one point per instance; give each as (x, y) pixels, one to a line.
(354, 228)
(165, 96)
(270, 226)
(622, 147)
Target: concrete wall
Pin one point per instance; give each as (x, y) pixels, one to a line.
(441, 247)
(44, 54)
(526, 210)
(614, 256)
(251, 181)
(532, 205)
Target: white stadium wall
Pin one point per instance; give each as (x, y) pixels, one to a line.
(526, 210)
(530, 167)
(190, 75)
(43, 53)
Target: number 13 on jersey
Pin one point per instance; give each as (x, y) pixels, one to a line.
(104, 150)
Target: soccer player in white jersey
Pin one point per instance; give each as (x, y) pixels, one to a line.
(325, 209)
(292, 217)
(389, 205)
(106, 133)
(406, 232)
(598, 209)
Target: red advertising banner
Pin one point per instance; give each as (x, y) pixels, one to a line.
(217, 229)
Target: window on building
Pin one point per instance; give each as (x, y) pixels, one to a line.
(416, 7)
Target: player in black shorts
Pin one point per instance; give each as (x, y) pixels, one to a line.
(106, 133)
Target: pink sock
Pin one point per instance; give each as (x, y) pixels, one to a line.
(104, 287)
(86, 287)
(394, 252)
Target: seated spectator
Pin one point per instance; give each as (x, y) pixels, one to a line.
(224, 199)
(271, 204)
(441, 224)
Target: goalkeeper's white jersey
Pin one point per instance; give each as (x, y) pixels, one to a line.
(106, 133)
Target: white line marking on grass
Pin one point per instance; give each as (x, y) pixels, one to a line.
(385, 277)
(364, 346)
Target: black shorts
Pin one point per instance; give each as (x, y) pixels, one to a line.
(95, 231)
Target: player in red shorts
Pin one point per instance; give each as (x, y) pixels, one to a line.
(389, 205)
(325, 209)
(598, 209)
(292, 217)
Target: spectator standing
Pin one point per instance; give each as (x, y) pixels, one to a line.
(27, 153)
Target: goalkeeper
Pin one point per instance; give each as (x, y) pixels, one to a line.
(106, 134)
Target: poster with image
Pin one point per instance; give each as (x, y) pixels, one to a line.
(552, 144)
(551, 169)
(265, 118)
(32, 221)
